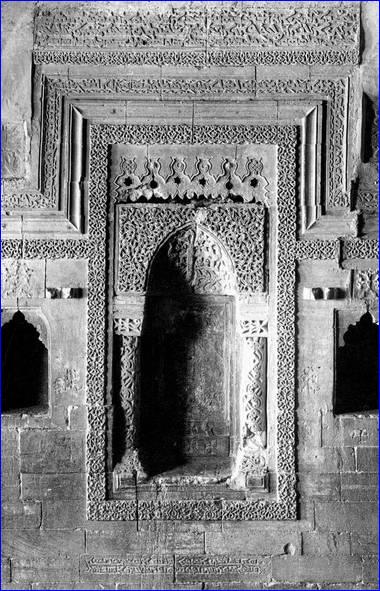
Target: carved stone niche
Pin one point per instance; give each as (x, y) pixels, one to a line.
(190, 319)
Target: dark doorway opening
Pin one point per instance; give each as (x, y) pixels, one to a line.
(24, 366)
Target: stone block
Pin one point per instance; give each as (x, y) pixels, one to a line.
(17, 28)
(278, 72)
(51, 451)
(359, 486)
(43, 570)
(326, 459)
(17, 515)
(61, 273)
(10, 493)
(23, 278)
(317, 569)
(366, 543)
(249, 113)
(251, 586)
(367, 459)
(271, 541)
(53, 486)
(42, 544)
(221, 568)
(325, 543)
(319, 485)
(155, 569)
(149, 112)
(70, 586)
(5, 568)
(349, 431)
(63, 514)
(13, 150)
(18, 586)
(154, 585)
(77, 418)
(152, 542)
(371, 569)
(354, 517)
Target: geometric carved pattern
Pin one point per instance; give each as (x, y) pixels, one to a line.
(55, 89)
(142, 229)
(285, 137)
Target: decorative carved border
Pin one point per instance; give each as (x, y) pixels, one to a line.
(57, 89)
(198, 35)
(285, 137)
(94, 249)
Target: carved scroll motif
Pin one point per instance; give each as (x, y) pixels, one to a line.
(212, 182)
(129, 329)
(252, 456)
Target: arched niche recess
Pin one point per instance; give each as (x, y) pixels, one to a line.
(188, 420)
(25, 362)
(356, 381)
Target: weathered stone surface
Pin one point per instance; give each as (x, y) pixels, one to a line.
(249, 540)
(355, 517)
(18, 515)
(5, 569)
(40, 569)
(100, 542)
(317, 569)
(349, 431)
(371, 569)
(40, 544)
(13, 150)
(367, 459)
(366, 543)
(51, 451)
(63, 273)
(181, 70)
(323, 543)
(319, 485)
(359, 486)
(53, 486)
(63, 514)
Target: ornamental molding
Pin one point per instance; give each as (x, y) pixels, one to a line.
(94, 248)
(226, 33)
(59, 91)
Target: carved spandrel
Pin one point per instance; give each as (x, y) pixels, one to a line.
(142, 229)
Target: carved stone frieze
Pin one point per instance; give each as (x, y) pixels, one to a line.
(225, 184)
(198, 35)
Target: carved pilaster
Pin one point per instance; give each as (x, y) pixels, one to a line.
(129, 329)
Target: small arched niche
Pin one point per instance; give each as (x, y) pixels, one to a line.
(186, 406)
(25, 375)
(356, 381)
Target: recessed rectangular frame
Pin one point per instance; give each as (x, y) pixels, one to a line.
(69, 105)
(284, 507)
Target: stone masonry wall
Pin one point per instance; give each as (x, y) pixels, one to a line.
(47, 540)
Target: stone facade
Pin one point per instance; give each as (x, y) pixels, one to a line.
(190, 252)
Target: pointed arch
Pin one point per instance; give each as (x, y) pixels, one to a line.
(192, 260)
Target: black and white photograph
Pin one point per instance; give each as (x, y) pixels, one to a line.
(189, 285)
